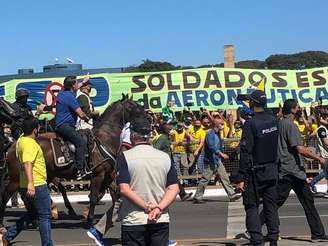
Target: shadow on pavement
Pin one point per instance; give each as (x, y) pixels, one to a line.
(298, 239)
(113, 241)
(214, 243)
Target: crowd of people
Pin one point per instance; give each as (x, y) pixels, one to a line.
(176, 145)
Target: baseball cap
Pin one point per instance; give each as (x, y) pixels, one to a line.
(82, 84)
(141, 126)
(259, 97)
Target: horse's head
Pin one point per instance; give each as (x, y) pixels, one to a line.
(121, 112)
(131, 109)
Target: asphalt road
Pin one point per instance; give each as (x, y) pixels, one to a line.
(192, 224)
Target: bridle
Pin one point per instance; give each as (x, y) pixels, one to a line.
(106, 154)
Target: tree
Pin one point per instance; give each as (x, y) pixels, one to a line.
(151, 66)
(308, 59)
(250, 64)
(211, 65)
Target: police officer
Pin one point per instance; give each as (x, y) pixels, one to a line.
(22, 109)
(258, 171)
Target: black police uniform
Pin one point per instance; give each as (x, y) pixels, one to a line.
(24, 111)
(259, 170)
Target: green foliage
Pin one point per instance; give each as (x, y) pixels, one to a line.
(251, 64)
(211, 65)
(151, 66)
(308, 59)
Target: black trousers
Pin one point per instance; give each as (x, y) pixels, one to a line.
(146, 235)
(304, 195)
(268, 192)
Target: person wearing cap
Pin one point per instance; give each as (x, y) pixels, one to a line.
(67, 111)
(144, 210)
(258, 170)
(84, 100)
(23, 110)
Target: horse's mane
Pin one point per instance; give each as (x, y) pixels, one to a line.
(105, 116)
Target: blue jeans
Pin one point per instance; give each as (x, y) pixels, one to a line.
(69, 133)
(323, 174)
(40, 209)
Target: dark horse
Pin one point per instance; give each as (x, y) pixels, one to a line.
(105, 146)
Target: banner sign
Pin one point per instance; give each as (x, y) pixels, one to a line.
(210, 88)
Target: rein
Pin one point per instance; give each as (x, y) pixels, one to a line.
(103, 151)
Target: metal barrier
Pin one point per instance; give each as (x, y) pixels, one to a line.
(231, 147)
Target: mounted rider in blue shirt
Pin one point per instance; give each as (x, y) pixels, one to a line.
(67, 111)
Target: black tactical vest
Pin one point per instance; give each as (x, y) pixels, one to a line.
(265, 133)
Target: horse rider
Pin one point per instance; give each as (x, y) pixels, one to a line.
(22, 109)
(84, 100)
(67, 111)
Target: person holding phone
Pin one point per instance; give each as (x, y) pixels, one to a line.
(33, 185)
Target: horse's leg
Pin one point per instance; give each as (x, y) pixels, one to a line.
(10, 189)
(62, 190)
(95, 188)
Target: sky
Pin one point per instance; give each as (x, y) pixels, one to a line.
(108, 33)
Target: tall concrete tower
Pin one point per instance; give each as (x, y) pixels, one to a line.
(229, 56)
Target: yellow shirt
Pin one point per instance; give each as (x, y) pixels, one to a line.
(178, 137)
(154, 136)
(301, 127)
(314, 128)
(205, 130)
(237, 134)
(28, 150)
(197, 136)
(225, 132)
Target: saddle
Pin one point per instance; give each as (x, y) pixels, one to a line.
(64, 151)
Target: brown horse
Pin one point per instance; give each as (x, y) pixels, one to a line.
(105, 146)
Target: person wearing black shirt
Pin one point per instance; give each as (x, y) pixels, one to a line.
(258, 172)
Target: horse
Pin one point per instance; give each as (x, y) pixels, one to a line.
(102, 157)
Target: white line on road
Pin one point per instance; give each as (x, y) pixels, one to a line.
(219, 192)
(236, 219)
(299, 216)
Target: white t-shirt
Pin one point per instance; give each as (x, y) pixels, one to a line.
(125, 134)
(321, 134)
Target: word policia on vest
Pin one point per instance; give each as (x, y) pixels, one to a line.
(206, 87)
